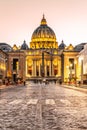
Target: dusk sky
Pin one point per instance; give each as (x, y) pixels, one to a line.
(19, 18)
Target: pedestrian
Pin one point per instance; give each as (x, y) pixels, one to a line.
(24, 83)
(79, 83)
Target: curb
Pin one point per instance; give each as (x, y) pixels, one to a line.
(80, 89)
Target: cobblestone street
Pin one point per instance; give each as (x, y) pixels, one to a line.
(43, 107)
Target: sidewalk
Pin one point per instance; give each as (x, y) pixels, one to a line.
(82, 88)
(2, 87)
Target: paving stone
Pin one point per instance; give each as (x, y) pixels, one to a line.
(43, 107)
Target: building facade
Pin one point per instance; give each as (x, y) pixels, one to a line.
(44, 58)
(82, 60)
(3, 64)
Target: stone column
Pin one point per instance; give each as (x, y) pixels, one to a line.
(50, 69)
(26, 68)
(35, 68)
(46, 69)
(58, 70)
(51, 61)
(39, 69)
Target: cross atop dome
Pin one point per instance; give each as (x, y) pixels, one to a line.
(43, 21)
(43, 16)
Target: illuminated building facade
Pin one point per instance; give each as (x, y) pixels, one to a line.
(44, 58)
(82, 61)
(3, 64)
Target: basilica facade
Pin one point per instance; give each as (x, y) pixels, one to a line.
(45, 58)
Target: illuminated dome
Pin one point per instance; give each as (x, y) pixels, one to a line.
(43, 36)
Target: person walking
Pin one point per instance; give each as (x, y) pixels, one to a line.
(24, 82)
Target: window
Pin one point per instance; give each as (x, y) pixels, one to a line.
(71, 61)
